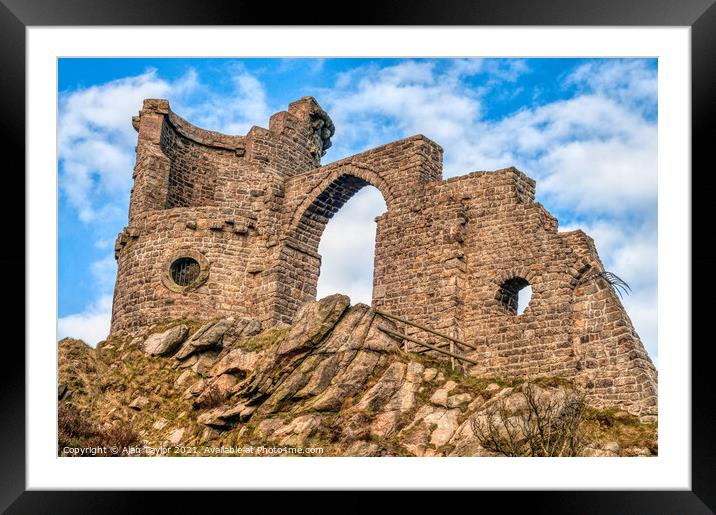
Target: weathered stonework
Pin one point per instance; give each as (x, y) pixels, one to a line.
(450, 254)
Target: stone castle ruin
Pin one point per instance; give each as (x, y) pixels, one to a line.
(230, 226)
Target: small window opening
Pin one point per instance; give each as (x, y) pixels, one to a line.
(185, 271)
(515, 295)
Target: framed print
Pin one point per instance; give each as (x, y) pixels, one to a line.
(409, 257)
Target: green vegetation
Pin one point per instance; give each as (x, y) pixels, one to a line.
(264, 339)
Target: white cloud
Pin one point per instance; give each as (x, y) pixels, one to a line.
(104, 272)
(408, 98)
(348, 248)
(233, 112)
(524, 296)
(91, 325)
(602, 176)
(96, 150)
(630, 251)
(96, 141)
(594, 152)
(292, 64)
(495, 70)
(641, 306)
(103, 243)
(630, 81)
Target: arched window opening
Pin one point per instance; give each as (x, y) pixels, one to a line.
(515, 294)
(347, 247)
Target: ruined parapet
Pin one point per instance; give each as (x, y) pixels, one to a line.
(213, 195)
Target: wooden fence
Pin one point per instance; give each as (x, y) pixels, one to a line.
(452, 342)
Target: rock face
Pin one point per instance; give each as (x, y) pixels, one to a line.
(209, 336)
(331, 380)
(139, 403)
(167, 342)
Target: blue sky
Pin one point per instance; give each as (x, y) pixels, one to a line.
(585, 129)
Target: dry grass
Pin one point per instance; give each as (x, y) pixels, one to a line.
(621, 427)
(77, 431)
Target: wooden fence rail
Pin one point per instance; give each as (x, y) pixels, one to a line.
(427, 346)
(431, 347)
(443, 335)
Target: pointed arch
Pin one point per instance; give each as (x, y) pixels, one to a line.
(329, 195)
(300, 262)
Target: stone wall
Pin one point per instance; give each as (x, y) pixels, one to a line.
(450, 254)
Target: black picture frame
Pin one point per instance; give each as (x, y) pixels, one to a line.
(699, 15)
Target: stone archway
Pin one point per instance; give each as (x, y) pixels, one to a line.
(300, 262)
(328, 196)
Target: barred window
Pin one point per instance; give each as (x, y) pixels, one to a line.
(185, 271)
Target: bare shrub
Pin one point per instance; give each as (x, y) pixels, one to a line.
(214, 396)
(120, 436)
(72, 426)
(76, 431)
(547, 425)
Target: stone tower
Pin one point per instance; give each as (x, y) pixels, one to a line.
(230, 225)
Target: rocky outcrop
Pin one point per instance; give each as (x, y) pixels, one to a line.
(160, 344)
(209, 336)
(332, 380)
